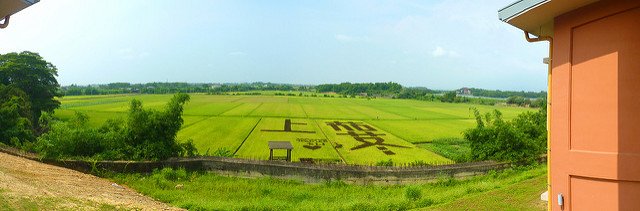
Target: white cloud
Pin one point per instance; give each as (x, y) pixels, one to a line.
(237, 53)
(440, 52)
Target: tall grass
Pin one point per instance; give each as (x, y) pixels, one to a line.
(209, 191)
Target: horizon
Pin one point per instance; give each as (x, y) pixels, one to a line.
(293, 84)
(441, 44)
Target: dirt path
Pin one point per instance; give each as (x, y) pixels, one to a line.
(26, 184)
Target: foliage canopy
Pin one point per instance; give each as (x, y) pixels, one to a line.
(14, 116)
(522, 139)
(143, 135)
(29, 72)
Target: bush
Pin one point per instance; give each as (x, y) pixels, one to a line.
(188, 149)
(71, 138)
(143, 135)
(521, 140)
(412, 193)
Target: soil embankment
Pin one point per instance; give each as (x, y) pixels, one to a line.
(28, 184)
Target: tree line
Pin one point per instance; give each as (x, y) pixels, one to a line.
(177, 87)
(369, 89)
(346, 89)
(504, 94)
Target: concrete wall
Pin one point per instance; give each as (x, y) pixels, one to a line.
(277, 168)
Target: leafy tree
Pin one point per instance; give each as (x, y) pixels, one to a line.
(518, 100)
(153, 133)
(522, 139)
(143, 135)
(15, 111)
(29, 72)
(448, 97)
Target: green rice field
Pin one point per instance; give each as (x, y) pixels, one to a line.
(345, 130)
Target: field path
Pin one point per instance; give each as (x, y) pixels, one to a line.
(23, 181)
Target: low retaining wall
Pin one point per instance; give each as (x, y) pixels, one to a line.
(274, 168)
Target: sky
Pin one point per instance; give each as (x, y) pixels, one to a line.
(439, 44)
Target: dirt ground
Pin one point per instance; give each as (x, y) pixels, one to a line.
(27, 184)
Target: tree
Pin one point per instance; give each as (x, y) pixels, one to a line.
(143, 135)
(448, 97)
(15, 127)
(522, 139)
(29, 72)
(153, 133)
(518, 100)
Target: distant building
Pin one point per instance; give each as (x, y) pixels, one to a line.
(464, 91)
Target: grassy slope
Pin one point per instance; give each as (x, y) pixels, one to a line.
(524, 195)
(211, 191)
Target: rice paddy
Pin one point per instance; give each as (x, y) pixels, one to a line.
(345, 130)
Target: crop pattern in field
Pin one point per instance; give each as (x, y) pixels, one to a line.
(347, 130)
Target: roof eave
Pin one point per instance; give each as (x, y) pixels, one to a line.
(537, 16)
(10, 7)
(518, 8)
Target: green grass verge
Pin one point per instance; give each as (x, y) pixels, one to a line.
(199, 191)
(521, 196)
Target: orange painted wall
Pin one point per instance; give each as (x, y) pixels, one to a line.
(595, 107)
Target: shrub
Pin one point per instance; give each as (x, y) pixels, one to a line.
(412, 193)
(521, 140)
(188, 149)
(143, 135)
(72, 138)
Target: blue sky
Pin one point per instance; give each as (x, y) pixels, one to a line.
(440, 44)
